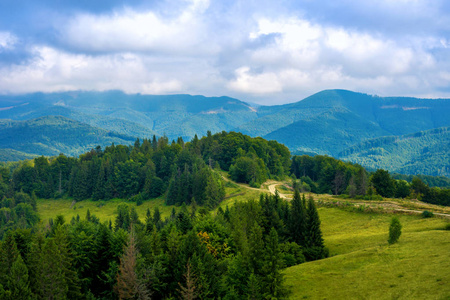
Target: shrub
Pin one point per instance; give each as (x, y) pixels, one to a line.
(427, 214)
(447, 226)
(395, 230)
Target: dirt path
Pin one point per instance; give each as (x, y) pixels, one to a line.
(272, 189)
(385, 205)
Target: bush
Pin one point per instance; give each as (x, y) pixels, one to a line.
(447, 226)
(427, 214)
(395, 230)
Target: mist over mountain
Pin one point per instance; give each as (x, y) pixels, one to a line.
(329, 122)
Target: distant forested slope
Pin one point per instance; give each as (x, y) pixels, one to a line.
(425, 152)
(53, 135)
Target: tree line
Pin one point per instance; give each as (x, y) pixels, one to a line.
(323, 174)
(151, 168)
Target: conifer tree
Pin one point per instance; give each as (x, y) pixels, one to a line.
(297, 219)
(157, 218)
(256, 249)
(128, 284)
(188, 290)
(314, 241)
(273, 280)
(19, 284)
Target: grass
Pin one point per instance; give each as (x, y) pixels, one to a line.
(104, 210)
(364, 266)
(107, 210)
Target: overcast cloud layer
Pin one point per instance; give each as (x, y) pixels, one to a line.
(269, 52)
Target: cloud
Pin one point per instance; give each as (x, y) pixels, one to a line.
(259, 51)
(149, 31)
(7, 41)
(52, 70)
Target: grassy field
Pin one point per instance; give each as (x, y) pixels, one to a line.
(106, 210)
(363, 266)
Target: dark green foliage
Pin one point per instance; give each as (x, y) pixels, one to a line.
(313, 237)
(324, 174)
(297, 220)
(383, 183)
(427, 214)
(273, 281)
(402, 189)
(395, 230)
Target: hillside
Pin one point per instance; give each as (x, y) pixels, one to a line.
(343, 118)
(364, 266)
(328, 122)
(425, 152)
(53, 135)
(140, 115)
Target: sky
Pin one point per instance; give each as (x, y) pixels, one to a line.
(266, 52)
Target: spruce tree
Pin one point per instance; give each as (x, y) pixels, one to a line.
(297, 220)
(273, 280)
(19, 284)
(314, 241)
(127, 280)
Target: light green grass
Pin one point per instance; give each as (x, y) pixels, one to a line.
(107, 210)
(104, 210)
(364, 266)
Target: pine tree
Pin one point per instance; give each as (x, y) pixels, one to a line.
(19, 284)
(297, 220)
(188, 291)
(157, 218)
(273, 280)
(314, 241)
(256, 249)
(127, 280)
(8, 255)
(51, 282)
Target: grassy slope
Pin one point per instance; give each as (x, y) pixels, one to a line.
(364, 266)
(106, 210)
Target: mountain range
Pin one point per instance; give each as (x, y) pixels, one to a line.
(339, 123)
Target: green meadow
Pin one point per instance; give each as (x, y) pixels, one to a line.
(363, 266)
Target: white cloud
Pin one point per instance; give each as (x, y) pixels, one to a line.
(255, 83)
(53, 70)
(7, 40)
(305, 57)
(149, 31)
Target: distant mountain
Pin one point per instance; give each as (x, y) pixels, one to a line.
(52, 135)
(136, 115)
(426, 152)
(328, 122)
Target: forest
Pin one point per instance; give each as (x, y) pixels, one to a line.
(196, 252)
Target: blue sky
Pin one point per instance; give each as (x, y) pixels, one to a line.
(268, 52)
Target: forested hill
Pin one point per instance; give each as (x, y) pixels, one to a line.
(325, 123)
(426, 152)
(52, 135)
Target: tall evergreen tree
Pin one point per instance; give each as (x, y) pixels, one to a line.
(313, 239)
(19, 284)
(273, 280)
(297, 220)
